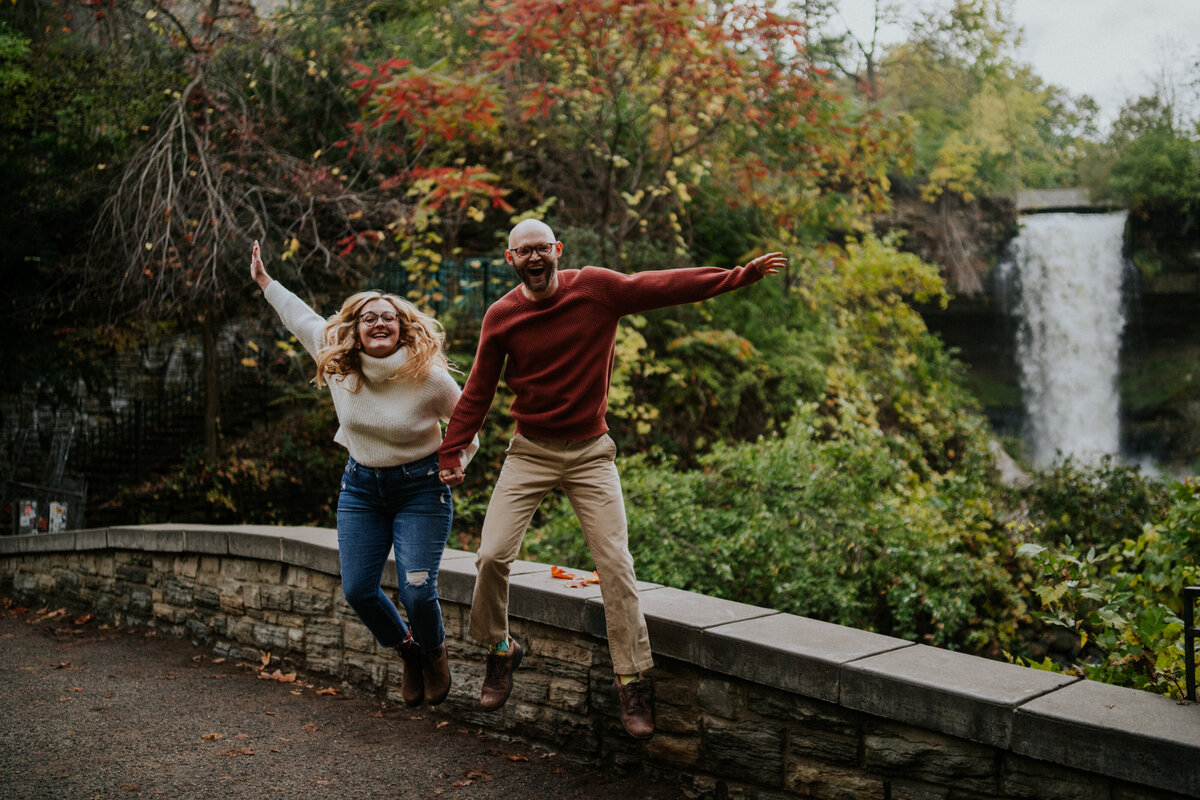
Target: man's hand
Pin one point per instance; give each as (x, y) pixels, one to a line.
(768, 264)
(258, 273)
(451, 477)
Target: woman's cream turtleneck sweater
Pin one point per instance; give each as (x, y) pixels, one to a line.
(384, 422)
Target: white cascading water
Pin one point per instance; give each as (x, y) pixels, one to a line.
(1068, 271)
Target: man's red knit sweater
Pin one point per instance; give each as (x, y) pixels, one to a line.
(559, 350)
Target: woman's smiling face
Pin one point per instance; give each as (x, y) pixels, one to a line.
(379, 328)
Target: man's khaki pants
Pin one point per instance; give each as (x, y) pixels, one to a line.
(588, 475)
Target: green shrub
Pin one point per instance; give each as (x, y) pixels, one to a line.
(1097, 505)
(1122, 600)
(836, 529)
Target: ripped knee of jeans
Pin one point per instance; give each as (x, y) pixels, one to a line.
(416, 577)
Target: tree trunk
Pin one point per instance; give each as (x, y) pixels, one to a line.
(212, 393)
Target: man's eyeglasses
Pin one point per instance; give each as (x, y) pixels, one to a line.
(525, 251)
(370, 318)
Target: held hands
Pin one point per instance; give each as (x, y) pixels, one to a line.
(451, 477)
(258, 273)
(768, 264)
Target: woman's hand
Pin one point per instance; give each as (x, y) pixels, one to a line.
(258, 273)
(451, 477)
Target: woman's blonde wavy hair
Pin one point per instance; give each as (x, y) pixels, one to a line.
(340, 360)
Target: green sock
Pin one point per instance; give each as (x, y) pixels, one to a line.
(500, 647)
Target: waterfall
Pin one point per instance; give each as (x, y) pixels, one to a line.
(1065, 275)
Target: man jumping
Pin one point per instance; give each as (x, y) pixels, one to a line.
(553, 338)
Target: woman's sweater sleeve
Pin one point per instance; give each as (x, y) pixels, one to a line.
(297, 316)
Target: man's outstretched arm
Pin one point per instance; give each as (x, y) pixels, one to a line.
(644, 291)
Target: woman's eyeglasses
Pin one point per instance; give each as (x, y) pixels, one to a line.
(525, 251)
(370, 318)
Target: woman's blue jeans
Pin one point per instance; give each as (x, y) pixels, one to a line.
(405, 508)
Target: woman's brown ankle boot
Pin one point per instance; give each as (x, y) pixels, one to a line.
(436, 670)
(412, 685)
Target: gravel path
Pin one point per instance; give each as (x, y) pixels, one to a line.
(89, 712)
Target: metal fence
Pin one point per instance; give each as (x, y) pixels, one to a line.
(130, 444)
(466, 286)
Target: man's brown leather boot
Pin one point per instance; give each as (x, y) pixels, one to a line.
(497, 683)
(637, 706)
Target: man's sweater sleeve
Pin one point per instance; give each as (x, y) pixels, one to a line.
(298, 317)
(445, 393)
(476, 399)
(645, 291)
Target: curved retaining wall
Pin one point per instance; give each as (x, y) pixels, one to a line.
(752, 703)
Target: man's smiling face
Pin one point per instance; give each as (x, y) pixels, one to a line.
(534, 255)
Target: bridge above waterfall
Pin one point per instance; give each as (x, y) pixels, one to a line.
(1037, 201)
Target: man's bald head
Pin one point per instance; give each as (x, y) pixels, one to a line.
(525, 228)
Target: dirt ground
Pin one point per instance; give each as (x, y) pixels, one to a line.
(95, 712)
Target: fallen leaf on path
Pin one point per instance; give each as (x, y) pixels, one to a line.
(576, 581)
(282, 677)
(443, 724)
(266, 658)
(75, 689)
(213, 736)
(311, 727)
(517, 757)
(330, 690)
(85, 619)
(61, 665)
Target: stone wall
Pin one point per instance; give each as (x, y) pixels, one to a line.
(751, 703)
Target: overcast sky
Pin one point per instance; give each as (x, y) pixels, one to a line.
(1113, 50)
